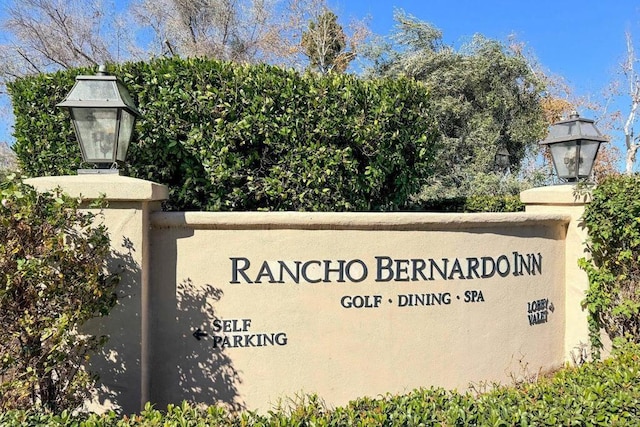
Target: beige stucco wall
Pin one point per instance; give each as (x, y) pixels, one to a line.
(482, 333)
(565, 199)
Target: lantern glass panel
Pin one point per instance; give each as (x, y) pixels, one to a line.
(574, 159)
(96, 130)
(126, 129)
(564, 159)
(588, 152)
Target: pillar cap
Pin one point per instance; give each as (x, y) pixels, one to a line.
(113, 187)
(555, 195)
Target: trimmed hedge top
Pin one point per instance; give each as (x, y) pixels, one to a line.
(225, 136)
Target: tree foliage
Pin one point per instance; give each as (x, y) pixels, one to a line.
(324, 43)
(49, 35)
(52, 264)
(228, 137)
(237, 30)
(485, 99)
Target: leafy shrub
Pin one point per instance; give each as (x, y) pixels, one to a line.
(473, 203)
(613, 298)
(481, 192)
(52, 260)
(488, 203)
(598, 393)
(225, 136)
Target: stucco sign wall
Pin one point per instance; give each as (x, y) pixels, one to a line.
(250, 308)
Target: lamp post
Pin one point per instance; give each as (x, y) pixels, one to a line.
(574, 144)
(103, 116)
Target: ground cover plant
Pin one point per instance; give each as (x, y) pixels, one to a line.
(604, 393)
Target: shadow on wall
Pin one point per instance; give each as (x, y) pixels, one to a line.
(117, 364)
(205, 373)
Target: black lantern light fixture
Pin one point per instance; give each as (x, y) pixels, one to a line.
(502, 161)
(103, 116)
(574, 144)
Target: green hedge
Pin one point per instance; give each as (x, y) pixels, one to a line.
(595, 394)
(473, 203)
(225, 136)
(613, 223)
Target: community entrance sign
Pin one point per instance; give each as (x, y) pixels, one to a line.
(248, 308)
(345, 309)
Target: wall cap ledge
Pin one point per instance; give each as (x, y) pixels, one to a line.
(113, 187)
(350, 220)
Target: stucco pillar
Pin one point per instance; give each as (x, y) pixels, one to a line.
(564, 199)
(123, 363)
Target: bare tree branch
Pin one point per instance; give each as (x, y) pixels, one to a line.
(53, 34)
(628, 68)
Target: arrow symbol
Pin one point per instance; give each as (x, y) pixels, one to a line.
(199, 334)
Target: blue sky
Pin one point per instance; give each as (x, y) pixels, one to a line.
(584, 42)
(581, 41)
